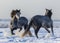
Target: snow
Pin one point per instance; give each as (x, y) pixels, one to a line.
(6, 37)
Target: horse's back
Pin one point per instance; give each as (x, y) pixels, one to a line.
(22, 21)
(41, 20)
(36, 20)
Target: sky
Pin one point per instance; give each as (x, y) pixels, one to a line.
(29, 8)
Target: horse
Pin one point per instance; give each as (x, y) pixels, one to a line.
(39, 21)
(18, 22)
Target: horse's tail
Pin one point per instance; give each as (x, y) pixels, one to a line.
(28, 29)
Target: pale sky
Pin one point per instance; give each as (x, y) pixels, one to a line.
(29, 8)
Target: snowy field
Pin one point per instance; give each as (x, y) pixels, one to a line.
(6, 37)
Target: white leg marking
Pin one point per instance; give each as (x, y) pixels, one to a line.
(48, 35)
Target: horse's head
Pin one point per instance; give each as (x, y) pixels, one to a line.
(13, 13)
(48, 13)
(18, 13)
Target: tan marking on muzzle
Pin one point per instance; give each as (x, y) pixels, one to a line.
(17, 17)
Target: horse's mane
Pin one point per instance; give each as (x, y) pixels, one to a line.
(13, 13)
(48, 13)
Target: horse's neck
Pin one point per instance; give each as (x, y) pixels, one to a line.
(13, 18)
(48, 15)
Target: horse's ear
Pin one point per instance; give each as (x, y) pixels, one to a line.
(46, 9)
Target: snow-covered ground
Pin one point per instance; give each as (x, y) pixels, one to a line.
(6, 37)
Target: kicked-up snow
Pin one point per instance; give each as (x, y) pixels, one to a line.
(6, 37)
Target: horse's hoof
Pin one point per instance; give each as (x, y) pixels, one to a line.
(12, 34)
(48, 35)
(19, 30)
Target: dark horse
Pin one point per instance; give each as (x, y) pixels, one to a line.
(39, 21)
(17, 21)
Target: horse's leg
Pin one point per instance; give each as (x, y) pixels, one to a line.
(27, 29)
(25, 26)
(47, 29)
(29, 32)
(48, 35)
(36, 31)
(20, 29)
(52, 30)
(12, 31)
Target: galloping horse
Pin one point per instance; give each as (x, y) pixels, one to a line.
(17, 21)
(39, 21)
